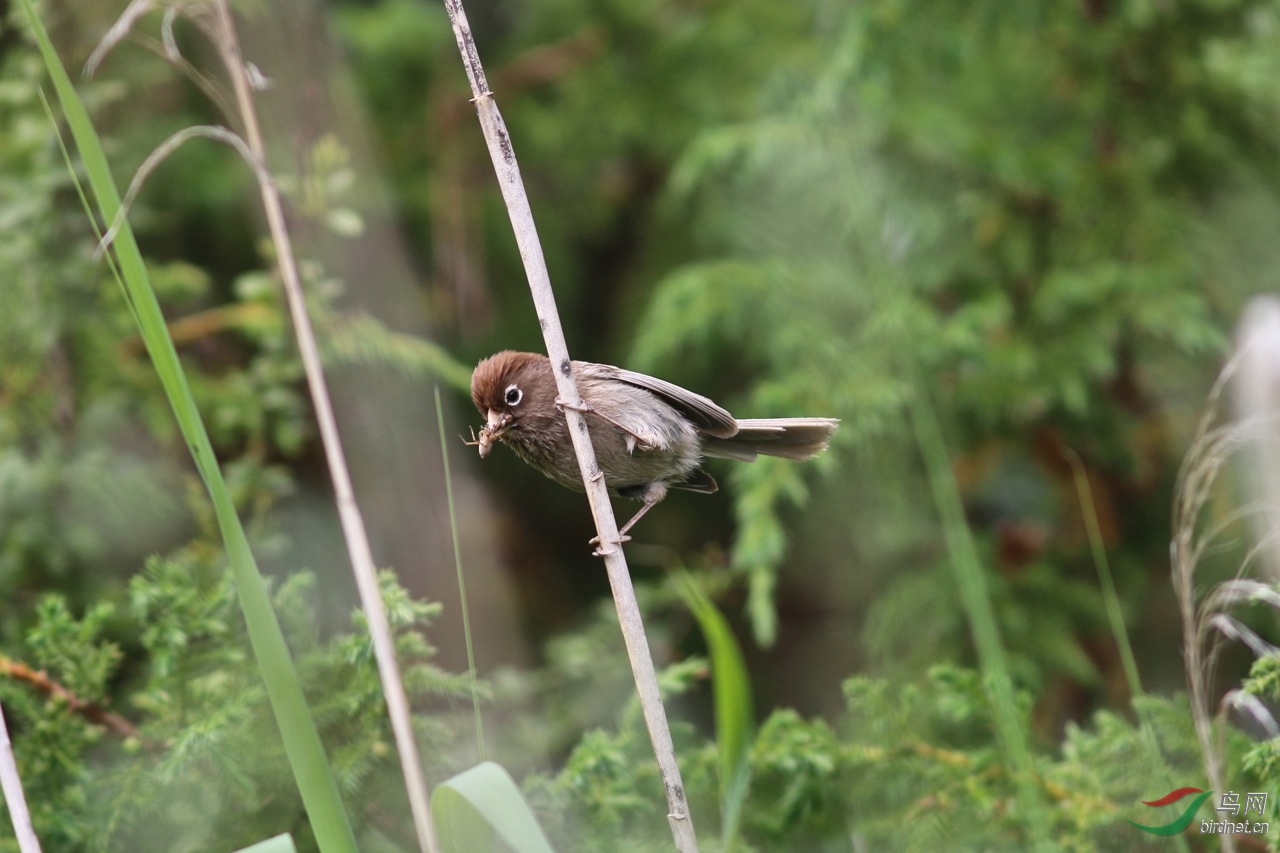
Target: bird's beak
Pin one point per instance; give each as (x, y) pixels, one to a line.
(495, 425)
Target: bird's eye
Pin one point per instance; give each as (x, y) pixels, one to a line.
(513, 395)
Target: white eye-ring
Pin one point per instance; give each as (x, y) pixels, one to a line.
(513, 395)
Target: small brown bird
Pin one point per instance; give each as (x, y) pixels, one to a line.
(649, 435)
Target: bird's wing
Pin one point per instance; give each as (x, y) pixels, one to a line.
(705, 414)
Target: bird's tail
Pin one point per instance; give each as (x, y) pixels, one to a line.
(790, 438)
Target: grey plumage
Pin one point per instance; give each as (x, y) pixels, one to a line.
(649, 434)
(790, 438)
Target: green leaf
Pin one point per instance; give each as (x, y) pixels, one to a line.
(733, 708)
(278, 844)
(476, 805)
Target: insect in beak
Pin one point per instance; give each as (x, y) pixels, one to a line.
(483, 441)
(491, 433)
(487, 440)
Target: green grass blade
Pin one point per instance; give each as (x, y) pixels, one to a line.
(971, 582)
(1115, 615)
(481, 804)
(735, 719)
(462, 582)
(316, 784)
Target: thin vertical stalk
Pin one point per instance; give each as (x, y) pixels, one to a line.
(11, 787)
(508, 172)
(353, 527)
(1110, 600)
(971, 584)
(1183, 564)
(462, 583)
(1115, 615)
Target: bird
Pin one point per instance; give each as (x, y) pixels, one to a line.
(649, 435)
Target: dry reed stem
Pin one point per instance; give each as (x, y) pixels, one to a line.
(353, 528)
(11, 787)
(216, 20)
(508, 172)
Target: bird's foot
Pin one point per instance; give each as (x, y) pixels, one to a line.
(601, 551)
(622, 533)
(587, 409)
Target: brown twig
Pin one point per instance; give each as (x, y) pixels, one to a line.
(91, 711)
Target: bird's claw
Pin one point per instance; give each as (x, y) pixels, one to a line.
(562, 405)
(601, 552)
(587, 409)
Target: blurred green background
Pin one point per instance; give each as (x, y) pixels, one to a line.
(1039, 223)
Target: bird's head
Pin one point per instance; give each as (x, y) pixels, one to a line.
(511, 389)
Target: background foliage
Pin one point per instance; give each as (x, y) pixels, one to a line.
(1042, 220)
